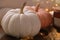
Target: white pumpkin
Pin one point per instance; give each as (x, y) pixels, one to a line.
(20, 25)
(28, 8)
(3, 12)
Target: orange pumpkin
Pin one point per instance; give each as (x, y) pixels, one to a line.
(45, 17)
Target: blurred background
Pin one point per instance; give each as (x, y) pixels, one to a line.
(18, 3)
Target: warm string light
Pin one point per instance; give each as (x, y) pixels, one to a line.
(56, 5)
(46, 9)
(47, 2)
(51, 12)
(58, 2)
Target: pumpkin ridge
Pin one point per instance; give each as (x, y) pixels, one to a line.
(6, 19)
(34, 25)
(9, 27)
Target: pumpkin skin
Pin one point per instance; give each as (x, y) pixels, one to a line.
(27, 8)
(3, 12)
(20, 25)
(45, 17)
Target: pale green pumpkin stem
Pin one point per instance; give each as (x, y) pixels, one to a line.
(37, 7)
(21, 11)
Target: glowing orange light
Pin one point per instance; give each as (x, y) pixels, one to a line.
(56, 4)
(47, 1)
(46, 9)
(51, 12)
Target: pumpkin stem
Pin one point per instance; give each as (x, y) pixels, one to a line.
(37, 7)
(21, 11)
